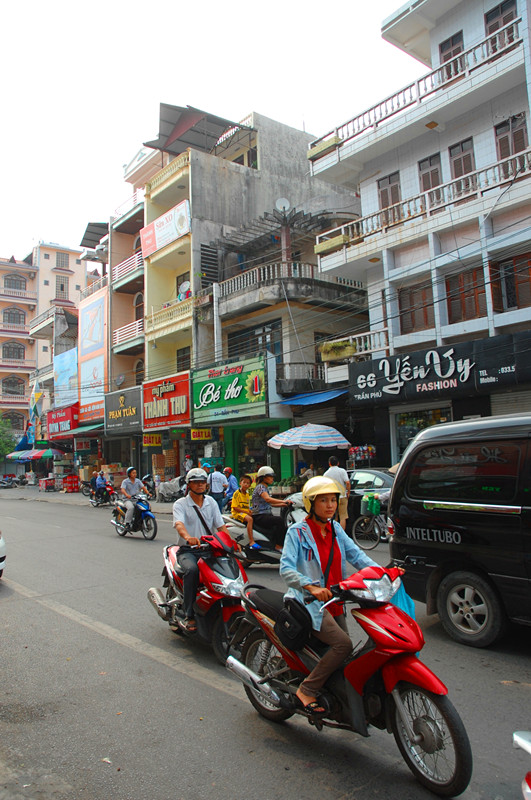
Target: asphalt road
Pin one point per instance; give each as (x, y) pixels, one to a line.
(100, 700)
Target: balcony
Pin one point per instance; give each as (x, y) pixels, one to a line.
(337, 353)
(14, 400)
(42, 326)
(164, 187)
(21, 295)
(14, 329)
(297, 378)
(274, 283)
(43, 375)
(128, 275)
(17, 364)
(452, 196)
(129, 339)
(129, 216)
(455, 87)
(174, 317)
(95, 286)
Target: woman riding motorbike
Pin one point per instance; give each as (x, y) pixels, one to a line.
(262, 508)
(313, 559)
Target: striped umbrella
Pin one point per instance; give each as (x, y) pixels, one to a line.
(18, 455)
(48, 453)
(309, 437)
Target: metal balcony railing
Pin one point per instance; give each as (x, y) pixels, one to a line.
(94, 287)
(22, 294)
(135, 199)
(468, 187)
(493, 46)
(267, 273)
(128, 332)
(127, 267)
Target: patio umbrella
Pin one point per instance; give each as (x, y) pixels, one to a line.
(309, 437)
(48, 453)
(18, 455)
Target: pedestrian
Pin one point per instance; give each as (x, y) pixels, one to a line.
(187, 464)
(308, 473)
(233, 487)
(218, 485)
(340, 476)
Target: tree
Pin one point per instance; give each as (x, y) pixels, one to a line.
(7, 439)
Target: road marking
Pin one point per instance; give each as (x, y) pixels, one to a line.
(184, 664)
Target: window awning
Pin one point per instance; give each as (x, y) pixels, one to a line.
(313, 397)
(89, 430)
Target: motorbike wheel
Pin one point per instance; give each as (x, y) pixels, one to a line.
(149, 528)
(260, 655)
(442, 761)
(366, 532)
(85, 491)
(219, 638)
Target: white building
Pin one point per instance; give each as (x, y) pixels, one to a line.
(443, 243)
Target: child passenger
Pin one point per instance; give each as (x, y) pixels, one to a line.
(240, 508)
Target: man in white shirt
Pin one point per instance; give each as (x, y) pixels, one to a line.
(340, 476)
(218, 485)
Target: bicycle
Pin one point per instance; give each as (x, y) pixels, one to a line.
(369, 530)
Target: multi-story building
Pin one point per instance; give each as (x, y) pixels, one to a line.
(443, 244)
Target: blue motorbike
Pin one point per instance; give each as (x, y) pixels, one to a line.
(143, 518)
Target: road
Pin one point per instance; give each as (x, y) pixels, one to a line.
(100, 700)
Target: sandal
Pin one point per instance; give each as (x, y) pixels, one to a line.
(313, 707)
(254, 546)
(189, 625)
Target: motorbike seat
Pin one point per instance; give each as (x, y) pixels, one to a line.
(268, 602)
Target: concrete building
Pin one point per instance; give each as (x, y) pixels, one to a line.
(443, 244)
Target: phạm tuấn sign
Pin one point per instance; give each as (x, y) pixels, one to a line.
(123, 411)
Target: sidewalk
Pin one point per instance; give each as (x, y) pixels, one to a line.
(67, 498)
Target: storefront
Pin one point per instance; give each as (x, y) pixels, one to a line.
(232, 400)
(123, 430)
(166, 429)
(405, 393)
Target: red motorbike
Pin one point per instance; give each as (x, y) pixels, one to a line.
(106, 494)
(383, 684)
(218, 603)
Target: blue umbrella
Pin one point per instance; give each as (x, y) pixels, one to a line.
(309, 437)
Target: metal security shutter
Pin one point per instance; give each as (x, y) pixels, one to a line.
(317, 416)
(510, 402)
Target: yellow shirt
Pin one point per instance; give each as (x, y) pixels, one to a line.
(241, 501)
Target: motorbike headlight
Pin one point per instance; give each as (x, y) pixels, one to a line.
(380, 591)
(230, 587)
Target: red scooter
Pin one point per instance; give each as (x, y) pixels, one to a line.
(218, 603)
(100, 497)
(382, 684)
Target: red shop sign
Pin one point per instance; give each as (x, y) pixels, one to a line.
(167, 402)
(62, 420)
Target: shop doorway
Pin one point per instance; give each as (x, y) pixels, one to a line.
(253, 451)
(405, 424)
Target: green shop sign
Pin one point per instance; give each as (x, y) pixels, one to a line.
(232, 391)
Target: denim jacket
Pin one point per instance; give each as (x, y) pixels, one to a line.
(300, 563)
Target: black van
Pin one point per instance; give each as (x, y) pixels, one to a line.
(460, 516)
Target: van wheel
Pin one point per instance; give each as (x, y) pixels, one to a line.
(470, 610)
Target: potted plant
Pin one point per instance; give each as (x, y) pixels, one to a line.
(338, 350)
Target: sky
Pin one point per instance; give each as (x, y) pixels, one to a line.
(83, 83)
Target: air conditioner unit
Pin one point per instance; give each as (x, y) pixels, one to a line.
(31, 341)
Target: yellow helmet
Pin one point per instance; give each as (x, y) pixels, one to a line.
(315, 486)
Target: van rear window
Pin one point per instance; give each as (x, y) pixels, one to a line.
(483, 472)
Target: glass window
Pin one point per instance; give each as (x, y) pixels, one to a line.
(15, 282)
(18, 421)
(415, 304)
(465, 295)
(483, 472)
(449, 51)
(14, 316)
(511, 283)
(13, 385)
(61, 287)
(183, 359)
(251, 341)
(13, 350)
(139, 372)
(62, 260)
(389, 197)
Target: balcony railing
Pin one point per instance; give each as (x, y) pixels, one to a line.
(468, 187)
(300, 372)
(42, 374)
(22, 294)
(358, 345)
(167, 172)
(170, 316)
(14, 399)
(127, 267)
(135, 199)
(14, 328)
(415, 93)
(274, 272)
(94, 287)
(24, 363)
(128, 332)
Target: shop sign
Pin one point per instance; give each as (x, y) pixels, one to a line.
(62, 420)
(123, 411)
(200, 433)
(166, 229)
(82, 444)
(152, 440)
(166, 402)
(232, 391)
(467, 368)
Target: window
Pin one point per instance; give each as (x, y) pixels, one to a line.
(17, 421)
(138, 305)
(13, 385)
(209, 266)
(78, 261)
(497, 18)
(14, 316)
(62, 260)
(430, 177)
(180, 284)
(448, 52)
(250, 341)
(46, 256)
(183, 359)
(483, 472)
(78, 287)
(139, 372)
(45, 348)
(415, 304)
(511, 283)
(46, 283)
(389, 195)
(465, 294)
(15, 282)
(462, 163)
(13, 350)
(511, 138)
(61, 287)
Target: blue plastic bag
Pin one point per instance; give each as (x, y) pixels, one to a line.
(403, 601)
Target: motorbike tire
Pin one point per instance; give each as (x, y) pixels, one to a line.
(219, 638)
(259, 654)
(470, 610)
(442, 762)
(85, 491)
(149, 528)
(366, 532)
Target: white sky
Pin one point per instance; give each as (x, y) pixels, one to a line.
(83, 82)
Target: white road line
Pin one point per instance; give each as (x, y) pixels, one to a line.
(184, 664)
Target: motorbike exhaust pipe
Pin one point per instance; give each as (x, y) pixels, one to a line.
(156, 598)
(253, 681)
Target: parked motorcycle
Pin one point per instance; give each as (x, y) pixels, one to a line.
(100, 497)
(143, 517)
(522, 739)
(382, 684)
(218, 603)
(9, 482)
(149, 483)
(85, 488)
(267, 554)
(170, 491)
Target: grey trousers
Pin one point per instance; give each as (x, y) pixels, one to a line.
(334, 633)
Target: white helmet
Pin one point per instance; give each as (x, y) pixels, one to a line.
(196, 474)
(264, 471)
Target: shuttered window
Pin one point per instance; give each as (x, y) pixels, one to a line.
(465, 295)
(511, 138)
(448, 52)
(389, 195)
(511, 283)
(462, 163)
(416, 308)
(497, 18)
(430, 177)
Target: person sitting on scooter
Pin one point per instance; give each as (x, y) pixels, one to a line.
(262, 507)
(313, 559)
(101, 485)
(240, 508)
(193, 516)
(130, 486)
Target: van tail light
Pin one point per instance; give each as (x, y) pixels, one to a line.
(390, 527)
